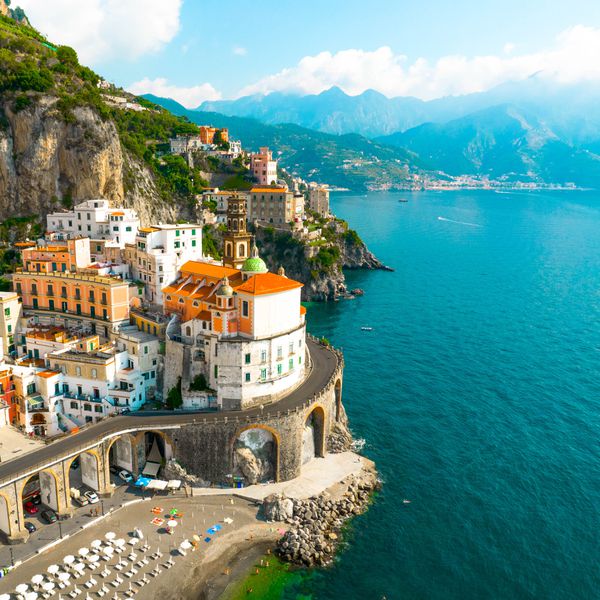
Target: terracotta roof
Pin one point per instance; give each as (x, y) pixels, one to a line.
(204, 315)
(47, 374)
(195, 267)
(148, 229)
(302, 310)
(278, 190)
(268, 283)
(118, 213)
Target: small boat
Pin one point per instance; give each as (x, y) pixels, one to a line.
(403, 200)
(365, 328)
(405, 501)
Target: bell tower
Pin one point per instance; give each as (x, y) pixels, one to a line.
(237, 240)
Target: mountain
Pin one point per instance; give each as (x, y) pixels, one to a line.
(501, 142)
(572, 110)
(349, 161)
(332, 111)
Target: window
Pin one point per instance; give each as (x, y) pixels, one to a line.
(177, 244)
(263, 374)
(263, 356)
(193, 243)
(247, 376)
(94, 373)
(30, 389)
(89, 227)
(51, 304)
(145, 349)
(247, 358)
(96, 393)
(279, 368)
(127, 228)
(78, 371)
(291, 348)
(98, 409)
(168, 297)
(216, 371)
(87, 407)
(193, 232)
(245, 308)
(152, 374)
(74, 405)
(181, 300)
(291, 364)
(279, 351)
(79, 390)
(177, 232)
(299, 360)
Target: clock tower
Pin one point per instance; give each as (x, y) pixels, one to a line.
(237, 240)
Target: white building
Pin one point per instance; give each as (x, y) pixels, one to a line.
(11, 311)
(96, 219)
(158, 253)
(144, 354)
(186, 143)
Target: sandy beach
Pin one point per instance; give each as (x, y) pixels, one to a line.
(218, 560)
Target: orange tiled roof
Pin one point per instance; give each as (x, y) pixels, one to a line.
(118, 213)
(204, 315)
(195, 267)
(268, 283)
(47, 374)
(263, 190)
(148, 229)
(302, 310)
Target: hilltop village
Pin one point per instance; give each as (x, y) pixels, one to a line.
(107, 316)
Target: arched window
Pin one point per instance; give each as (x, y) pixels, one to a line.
(94, 373)
(181, 300)
(241, 250)
(188, 331)
(78, 371)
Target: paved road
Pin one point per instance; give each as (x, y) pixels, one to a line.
(324, 364)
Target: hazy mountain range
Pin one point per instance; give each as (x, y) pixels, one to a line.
(533, 130)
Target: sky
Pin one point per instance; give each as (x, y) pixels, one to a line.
(196, 50)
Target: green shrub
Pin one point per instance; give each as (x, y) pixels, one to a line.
(174, 399)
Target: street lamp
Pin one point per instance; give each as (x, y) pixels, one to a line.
(60, 528)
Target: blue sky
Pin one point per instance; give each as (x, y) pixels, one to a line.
(220, 49)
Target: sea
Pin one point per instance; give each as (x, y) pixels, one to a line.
(477, 394)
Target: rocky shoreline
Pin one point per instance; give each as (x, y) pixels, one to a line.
(316, 523)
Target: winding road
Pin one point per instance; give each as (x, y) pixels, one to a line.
(324, 364)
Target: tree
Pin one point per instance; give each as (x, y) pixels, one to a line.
(67, 55)
(174, 398)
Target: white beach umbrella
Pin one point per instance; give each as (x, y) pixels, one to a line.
(22, 588)
(96, 543)
(172, 523)
(48, 586)
(64, 577)
(84, 551)
(93, 558)
(186, 545)
(37, 579)
(53, 569)
(109, 551)
(79, 567)
(31, 596)
(4, 596)
(69, 559)
(133, 541)
(111, 535)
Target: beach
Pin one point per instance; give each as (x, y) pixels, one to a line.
(226, 529)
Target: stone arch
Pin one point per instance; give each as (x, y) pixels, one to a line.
(50, 495)
(228, 249)
(127, 455)
(276, 438)
(241, 249)
(313, 435)
(6, 525)
(338, 399)
(139, 444)
(89, 468)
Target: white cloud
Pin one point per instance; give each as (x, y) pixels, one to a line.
(573, 57)
(508, 48)
(190, 97)
(102, 30)
(239, 51)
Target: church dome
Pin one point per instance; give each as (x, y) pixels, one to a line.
(254, 263)
(225, 289)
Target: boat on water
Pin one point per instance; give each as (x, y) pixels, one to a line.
(403, 200)
(365, 328)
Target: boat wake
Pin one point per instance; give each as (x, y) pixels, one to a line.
(458, 222)
(358, 445)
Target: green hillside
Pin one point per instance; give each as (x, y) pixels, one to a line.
(350, 161)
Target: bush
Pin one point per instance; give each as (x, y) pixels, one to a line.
(21, 103)
(199, 384)
(174, 399)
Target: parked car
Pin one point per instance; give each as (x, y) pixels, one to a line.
(37, 500)
(30, 527)
(80, 500)
(49, 515)
(91, 496)
(30, 508)
(125, 476)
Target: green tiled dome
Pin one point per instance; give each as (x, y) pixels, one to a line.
(254, 264)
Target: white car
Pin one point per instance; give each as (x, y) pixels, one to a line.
(125, 476)
(91, 496)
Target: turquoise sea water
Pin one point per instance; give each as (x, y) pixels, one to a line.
(478, 393)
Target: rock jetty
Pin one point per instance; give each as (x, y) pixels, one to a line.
(316, 523)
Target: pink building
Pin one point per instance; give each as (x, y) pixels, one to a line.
(264, 167)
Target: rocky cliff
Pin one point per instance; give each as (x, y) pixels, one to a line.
(46, 162)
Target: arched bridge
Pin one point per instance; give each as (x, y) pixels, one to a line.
(211, 445)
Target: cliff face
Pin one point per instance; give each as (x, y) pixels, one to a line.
(44, 159)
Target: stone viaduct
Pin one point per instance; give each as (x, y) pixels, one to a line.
(203, 443)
